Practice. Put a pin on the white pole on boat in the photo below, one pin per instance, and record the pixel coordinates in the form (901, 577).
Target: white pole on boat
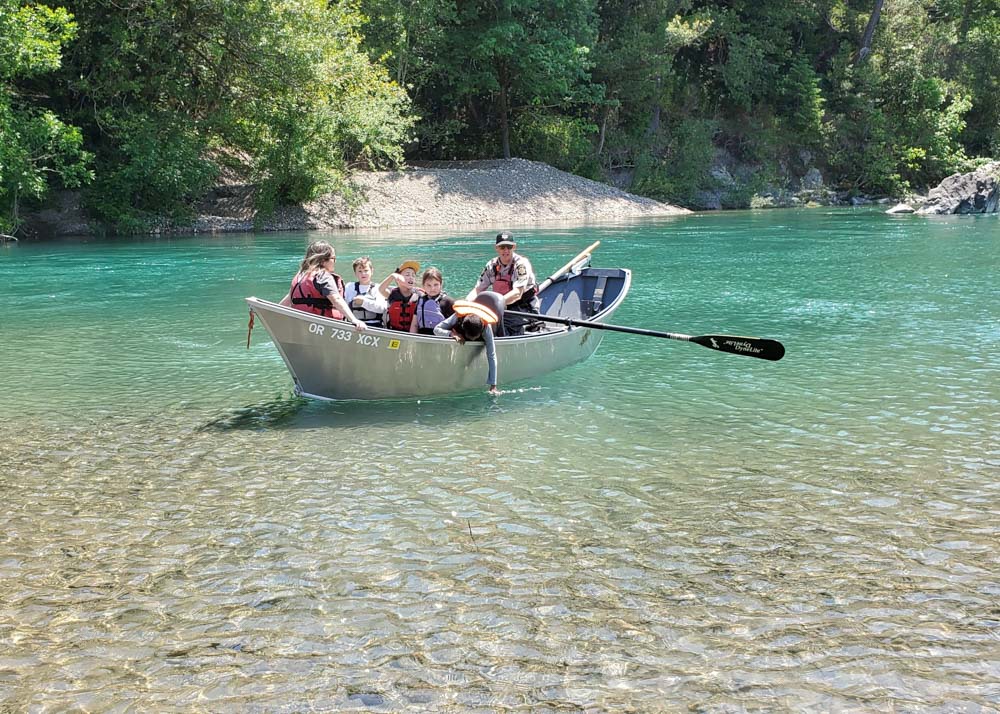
(583, 255)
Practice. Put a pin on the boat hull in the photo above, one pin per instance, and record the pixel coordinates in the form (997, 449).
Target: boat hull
(331, 359)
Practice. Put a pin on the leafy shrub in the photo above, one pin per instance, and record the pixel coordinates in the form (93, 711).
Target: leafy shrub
(341, 111)
(680, 167)
(982, 71)
(36, 150)
(563, 142)
(157, 168)
(283, 84)
(861, 153)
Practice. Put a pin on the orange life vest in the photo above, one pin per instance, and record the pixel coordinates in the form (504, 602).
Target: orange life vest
(399, 313)
(466, 307)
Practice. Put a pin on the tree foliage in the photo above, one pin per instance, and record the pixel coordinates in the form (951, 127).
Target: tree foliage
(282, 86)
(152, 98)
(37, 149)
(478, 68)
(883, 96)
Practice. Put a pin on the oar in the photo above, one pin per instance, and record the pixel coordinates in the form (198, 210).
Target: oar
(583, 254)
(747, 346)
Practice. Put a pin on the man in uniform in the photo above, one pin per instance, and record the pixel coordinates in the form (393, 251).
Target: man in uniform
(512, 276)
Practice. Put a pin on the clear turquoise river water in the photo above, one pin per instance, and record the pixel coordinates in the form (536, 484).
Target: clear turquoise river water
(658, 528)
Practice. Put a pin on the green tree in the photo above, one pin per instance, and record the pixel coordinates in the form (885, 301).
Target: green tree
(973, 63)
(168, 89)
(499, 62)
(407, 35)
(37, 149)
(897, 121)
(634, 62)
(881, 94)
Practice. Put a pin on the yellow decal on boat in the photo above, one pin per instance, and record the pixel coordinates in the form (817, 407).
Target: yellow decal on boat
(393, 344)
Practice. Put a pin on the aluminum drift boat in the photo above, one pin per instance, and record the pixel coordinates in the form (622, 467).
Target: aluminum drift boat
(330, 359)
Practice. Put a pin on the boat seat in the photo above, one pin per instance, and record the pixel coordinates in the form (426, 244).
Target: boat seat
(594, 305)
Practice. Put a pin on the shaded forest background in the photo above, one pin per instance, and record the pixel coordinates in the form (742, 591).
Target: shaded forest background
(146, 103)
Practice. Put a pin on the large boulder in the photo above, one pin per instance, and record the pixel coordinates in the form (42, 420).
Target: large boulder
(813, 180)
(976, 192)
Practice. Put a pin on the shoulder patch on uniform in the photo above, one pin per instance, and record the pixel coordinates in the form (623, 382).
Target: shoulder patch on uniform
(521, 270)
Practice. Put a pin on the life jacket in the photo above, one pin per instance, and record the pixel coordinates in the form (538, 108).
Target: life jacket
(466, 307)
(399, 313)
(367, 316)
(503, 283)
(430, 312)
(307, 296)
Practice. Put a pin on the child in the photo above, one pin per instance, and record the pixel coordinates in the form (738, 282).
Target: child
(476, 320)
(363, 296)
(433, 306)
(401, 301)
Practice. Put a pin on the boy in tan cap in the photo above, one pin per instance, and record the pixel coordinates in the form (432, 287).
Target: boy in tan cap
(401, 301)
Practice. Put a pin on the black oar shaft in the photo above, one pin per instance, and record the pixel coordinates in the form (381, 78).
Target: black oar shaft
(747, 346)
(598, 325)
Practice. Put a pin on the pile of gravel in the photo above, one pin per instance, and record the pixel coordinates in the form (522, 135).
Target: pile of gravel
(509, 192)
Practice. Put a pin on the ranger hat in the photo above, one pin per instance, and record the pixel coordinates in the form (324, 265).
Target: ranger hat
(505, 239)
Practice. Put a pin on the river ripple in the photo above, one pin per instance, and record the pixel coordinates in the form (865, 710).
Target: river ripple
(231, 566)
(660, 528)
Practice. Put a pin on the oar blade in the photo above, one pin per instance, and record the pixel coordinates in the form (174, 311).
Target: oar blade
(747, 346)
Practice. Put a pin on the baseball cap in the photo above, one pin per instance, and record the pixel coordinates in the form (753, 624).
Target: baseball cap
(408, 264)
(505, 239)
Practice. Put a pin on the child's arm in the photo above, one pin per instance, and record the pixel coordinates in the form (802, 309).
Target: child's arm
(383, 287)
(373, 301)
(445, 327)
(491, 359)
(341, 304)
